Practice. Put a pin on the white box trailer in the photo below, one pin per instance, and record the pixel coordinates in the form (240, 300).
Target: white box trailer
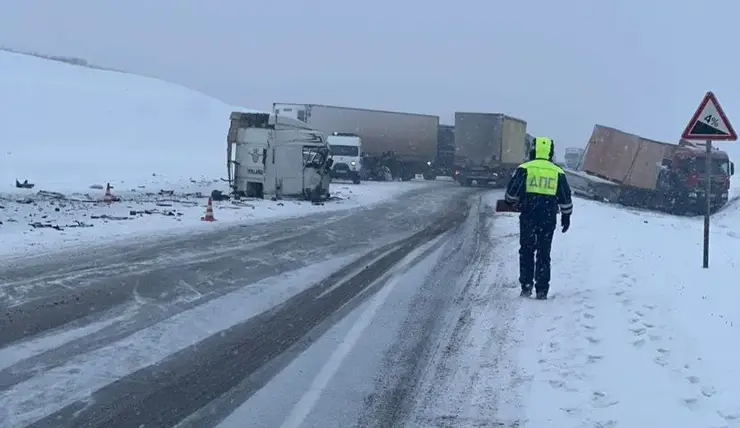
(411, 138)
(489, 147)
(272, 156)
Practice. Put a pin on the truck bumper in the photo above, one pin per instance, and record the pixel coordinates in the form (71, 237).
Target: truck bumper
(345, 174)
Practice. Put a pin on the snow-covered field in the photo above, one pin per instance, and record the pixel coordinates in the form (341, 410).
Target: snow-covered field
(66, 127)
(71, 130)
(636, 333)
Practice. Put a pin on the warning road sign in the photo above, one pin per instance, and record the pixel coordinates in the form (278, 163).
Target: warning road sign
(709, 122)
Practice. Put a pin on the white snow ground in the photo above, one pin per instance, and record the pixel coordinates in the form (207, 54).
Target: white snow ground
(70, 130)
(636, 333)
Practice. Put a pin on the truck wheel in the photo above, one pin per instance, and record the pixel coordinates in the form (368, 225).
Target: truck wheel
(356, 180)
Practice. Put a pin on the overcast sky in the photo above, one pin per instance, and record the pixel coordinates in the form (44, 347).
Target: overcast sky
(641, 65)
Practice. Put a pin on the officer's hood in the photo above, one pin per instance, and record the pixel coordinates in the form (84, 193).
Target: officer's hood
(544, 148)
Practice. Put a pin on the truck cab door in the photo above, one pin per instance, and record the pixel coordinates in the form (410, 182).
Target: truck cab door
(288, 169)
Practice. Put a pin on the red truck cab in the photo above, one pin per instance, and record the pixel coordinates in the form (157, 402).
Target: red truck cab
(683, 176)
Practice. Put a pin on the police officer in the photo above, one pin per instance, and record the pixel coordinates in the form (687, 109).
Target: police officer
(538, 188)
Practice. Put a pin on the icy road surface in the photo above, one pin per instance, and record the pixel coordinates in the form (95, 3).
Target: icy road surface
(156, 332)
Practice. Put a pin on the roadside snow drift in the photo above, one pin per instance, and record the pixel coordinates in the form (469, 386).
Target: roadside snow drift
(66, 127)
(636, 333)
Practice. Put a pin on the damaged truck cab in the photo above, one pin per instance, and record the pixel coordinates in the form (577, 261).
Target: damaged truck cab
(274, 156)
(683, 174)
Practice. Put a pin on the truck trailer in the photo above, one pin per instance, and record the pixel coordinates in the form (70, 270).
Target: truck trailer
(653, 174)
(403, 143)
(488, 147)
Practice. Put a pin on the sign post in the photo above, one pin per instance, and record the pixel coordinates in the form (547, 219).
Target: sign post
(709, 123)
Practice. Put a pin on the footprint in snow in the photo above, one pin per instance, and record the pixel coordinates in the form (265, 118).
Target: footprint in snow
(639, 331)
(588, 315)
(588, 326)
(691, 403)
(708, 391)
(634, 320)
(572, 411)
(693, 379)
(660, 360)
(619, 293)
(600, 400)
(593, 340)
(594, 358)
(557, 384)
(639, 343)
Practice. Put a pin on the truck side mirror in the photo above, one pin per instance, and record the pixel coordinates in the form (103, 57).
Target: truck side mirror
(732, 168)
(330, 162)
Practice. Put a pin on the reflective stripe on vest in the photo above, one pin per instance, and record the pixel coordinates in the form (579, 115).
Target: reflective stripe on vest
(542, 177)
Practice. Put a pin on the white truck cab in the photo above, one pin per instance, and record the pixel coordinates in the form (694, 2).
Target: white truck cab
(276, 156)
(346, 152)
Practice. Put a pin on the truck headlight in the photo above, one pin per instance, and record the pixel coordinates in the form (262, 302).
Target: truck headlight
(429, 163)
(353, 163)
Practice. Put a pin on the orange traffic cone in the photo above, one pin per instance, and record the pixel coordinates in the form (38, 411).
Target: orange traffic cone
(108, 197)
(209, 212)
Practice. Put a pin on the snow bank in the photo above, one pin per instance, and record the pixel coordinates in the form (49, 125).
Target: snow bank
(636, 333)
(66, 127)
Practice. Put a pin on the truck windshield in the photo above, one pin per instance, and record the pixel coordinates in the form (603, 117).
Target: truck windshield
(345, 150)
(719, 166)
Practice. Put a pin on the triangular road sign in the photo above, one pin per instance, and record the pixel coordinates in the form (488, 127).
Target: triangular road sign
(709, 122)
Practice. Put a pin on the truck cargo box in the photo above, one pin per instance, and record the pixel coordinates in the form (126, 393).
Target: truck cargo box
(412, 137)
(489, 139)
(646, 165)
(610, 152)
(625, 158)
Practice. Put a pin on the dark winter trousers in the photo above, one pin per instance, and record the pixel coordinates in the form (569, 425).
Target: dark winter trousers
(535, 238)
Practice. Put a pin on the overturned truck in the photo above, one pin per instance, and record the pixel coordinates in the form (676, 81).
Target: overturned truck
(627, 169)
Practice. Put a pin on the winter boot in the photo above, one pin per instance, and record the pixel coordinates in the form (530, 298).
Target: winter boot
(541, 295)
(526, 290)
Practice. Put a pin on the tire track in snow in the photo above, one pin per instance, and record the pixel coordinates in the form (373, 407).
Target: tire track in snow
(149, 308)
(165, 393)
(159, 293)
(458, 389)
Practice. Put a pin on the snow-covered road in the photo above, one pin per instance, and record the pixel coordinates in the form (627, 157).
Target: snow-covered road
(413, 320)
(143, 316)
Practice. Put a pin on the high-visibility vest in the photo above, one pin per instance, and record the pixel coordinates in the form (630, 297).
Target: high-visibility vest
(542, 177)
